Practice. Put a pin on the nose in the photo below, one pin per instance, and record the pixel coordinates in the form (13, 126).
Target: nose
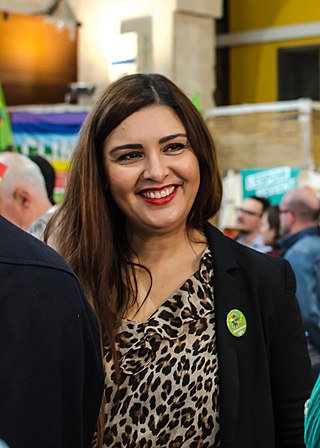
(156, 167)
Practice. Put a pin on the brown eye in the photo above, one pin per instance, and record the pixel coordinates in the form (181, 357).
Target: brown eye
(174, 147)
(130, 157)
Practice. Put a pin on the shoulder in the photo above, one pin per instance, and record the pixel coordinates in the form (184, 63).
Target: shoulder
(305, 249)
(37, 281)
(263, 276)
(230, 251)
(30, 268)
(255, 281)
(311, 242)
(21, 249)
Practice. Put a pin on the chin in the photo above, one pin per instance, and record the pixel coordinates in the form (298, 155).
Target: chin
(163, 227)
(166, 227)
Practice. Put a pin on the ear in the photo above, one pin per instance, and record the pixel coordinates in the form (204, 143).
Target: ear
(22, 198)
(291, 217)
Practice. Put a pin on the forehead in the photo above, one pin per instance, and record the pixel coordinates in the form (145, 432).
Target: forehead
(252, 205)
(155, 120)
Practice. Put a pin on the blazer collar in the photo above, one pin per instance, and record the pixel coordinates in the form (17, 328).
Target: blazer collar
(227, 297)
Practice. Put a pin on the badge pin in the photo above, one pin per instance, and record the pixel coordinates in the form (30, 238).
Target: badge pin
(236, 323)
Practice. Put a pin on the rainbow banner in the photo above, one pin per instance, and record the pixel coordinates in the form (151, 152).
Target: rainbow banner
(52, 132)
(47, 131)
(6, 138)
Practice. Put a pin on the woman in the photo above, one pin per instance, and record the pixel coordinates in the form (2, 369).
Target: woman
(270, 230)
(203, 341)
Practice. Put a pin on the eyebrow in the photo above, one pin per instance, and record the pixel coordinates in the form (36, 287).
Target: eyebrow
(171, 137)
(127, 146)
(139, 146)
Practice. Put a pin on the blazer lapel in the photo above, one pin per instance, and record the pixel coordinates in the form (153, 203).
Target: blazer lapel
(227, 297)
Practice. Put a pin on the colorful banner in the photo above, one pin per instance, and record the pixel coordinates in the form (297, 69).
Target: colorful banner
(53, 135)
(6, 138)
(61, 168)
(50, 131)
(271, 183)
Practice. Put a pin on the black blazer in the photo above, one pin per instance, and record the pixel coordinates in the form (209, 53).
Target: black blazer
(265, 375)
(51, 375)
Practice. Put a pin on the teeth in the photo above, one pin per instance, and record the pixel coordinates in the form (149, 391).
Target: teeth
(158, 194)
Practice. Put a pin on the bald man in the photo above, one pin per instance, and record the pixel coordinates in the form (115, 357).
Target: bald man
(23, 194)
(299, 228)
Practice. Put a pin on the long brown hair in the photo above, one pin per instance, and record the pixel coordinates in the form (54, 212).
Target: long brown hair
(89, 229)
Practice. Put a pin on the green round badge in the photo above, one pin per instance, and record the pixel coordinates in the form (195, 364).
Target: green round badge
(236, 323)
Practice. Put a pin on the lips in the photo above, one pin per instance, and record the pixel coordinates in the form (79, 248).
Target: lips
(159, 196)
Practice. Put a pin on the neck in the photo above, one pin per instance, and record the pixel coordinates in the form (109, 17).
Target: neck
(42, 207)
(298, 226)
(249, 237)
(39, 207)
(152, 249)
(170, 259)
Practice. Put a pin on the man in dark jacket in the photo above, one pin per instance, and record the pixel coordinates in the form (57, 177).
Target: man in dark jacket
(51, 377)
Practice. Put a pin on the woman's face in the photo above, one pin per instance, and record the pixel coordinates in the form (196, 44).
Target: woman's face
(153, 173)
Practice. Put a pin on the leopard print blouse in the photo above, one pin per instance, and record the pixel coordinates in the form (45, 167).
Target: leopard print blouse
(168, 393)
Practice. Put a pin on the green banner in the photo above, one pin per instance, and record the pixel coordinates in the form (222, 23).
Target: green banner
(6, 139)
(271, 183)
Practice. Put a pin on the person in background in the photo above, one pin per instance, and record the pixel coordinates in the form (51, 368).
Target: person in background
(249, 221)
(51, 375)
(300, 240)
(38, 226)
(312, 418)
(23, 194)
(48, 174)
(203, 340)
(270, 230)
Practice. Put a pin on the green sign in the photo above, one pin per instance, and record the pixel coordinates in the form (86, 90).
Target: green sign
(271, 183)
(6, 139)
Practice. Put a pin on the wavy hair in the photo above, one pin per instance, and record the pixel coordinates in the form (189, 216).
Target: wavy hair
(89, 229)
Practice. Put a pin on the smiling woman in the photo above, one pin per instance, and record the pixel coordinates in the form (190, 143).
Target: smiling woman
(153, 176)
(178, 302)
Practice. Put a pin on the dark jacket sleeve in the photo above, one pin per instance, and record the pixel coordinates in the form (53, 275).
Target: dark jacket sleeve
(290, 368)
(51, 377)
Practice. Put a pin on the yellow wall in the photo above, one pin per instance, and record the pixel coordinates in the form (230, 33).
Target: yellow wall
(250, 14)
(253, 71)
(253, 68)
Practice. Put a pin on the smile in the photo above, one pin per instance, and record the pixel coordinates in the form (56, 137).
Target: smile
(159, 197)
(158, 194)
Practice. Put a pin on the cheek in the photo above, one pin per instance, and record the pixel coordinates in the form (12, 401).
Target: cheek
(190, 170)
(116, 189)
(115, 177)
(113, 185)
(282, 221)
(121, 183)
(5, 208)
